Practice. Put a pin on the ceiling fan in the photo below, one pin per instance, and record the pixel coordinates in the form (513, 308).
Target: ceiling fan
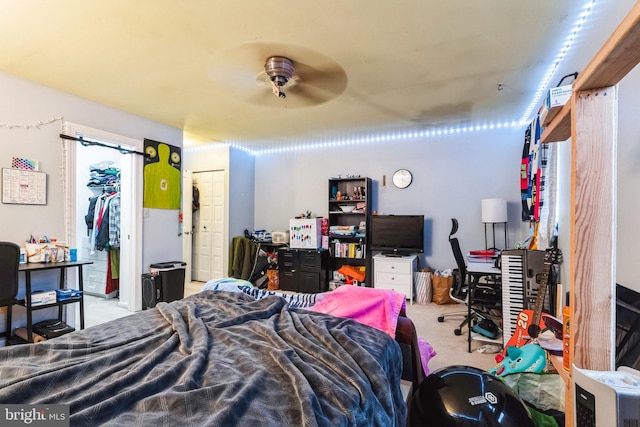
(296, 75)
(280, 70)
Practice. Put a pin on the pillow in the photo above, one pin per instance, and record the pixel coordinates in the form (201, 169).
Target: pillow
(226, 284)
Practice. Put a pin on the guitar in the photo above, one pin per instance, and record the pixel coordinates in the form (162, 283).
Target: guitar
(529, 323)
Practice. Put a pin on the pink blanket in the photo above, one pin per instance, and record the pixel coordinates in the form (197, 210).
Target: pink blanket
(378, 308)
(374, 307)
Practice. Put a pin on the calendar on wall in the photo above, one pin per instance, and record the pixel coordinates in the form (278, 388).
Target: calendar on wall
(24, 187)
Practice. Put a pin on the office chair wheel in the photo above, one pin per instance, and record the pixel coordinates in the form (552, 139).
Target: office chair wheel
(457, 331)
(440, 319)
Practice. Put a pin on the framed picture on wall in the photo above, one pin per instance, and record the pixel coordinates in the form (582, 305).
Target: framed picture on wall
(24, 187)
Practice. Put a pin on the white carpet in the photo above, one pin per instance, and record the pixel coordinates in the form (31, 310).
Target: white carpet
(450, 349)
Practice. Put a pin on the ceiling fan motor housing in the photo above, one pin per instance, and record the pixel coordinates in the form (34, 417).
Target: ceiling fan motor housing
(279, 69)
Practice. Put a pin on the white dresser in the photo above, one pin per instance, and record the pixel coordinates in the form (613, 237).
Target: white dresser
(395, 273)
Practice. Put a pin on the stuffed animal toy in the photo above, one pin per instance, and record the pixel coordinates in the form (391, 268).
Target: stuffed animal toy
(528, 358)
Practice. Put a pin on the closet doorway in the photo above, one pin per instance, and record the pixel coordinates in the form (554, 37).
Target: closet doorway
(85, 167)
(208, 227)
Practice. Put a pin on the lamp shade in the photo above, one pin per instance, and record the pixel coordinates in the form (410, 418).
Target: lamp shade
(494, 210)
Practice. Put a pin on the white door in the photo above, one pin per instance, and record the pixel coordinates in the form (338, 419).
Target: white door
(187, 221)
(209, 227)
(218, 268)
(203, 226)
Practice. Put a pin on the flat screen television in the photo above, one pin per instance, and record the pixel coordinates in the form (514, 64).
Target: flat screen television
(397, 234)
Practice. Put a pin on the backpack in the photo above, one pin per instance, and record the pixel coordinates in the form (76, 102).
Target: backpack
(195, 199)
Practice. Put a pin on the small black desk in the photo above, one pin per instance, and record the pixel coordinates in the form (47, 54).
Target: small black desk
(62, 266)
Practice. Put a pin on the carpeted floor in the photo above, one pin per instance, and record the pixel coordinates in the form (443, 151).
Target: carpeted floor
(450, 349)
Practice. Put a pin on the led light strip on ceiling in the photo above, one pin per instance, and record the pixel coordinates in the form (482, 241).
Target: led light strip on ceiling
(564, 49)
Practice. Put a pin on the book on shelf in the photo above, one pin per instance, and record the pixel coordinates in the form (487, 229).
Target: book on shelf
(483, 255)
(348, 250)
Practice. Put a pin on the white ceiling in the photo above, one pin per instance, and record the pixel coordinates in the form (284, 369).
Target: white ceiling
(364, 64)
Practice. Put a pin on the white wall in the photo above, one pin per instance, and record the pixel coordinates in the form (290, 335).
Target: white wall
(241, 192)
(451, 174)
(25, 103)
(628, 179)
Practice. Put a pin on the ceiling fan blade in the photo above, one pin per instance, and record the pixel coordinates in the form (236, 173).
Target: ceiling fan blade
(323, 76)
(265, 98)
(306, 94)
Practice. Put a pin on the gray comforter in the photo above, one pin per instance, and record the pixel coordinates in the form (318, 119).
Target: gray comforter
(214, 359)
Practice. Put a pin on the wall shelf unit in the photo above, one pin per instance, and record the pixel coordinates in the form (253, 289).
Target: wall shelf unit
(590, 119)
(350, 249)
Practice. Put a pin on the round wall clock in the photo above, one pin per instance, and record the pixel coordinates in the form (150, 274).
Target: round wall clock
(402, 178)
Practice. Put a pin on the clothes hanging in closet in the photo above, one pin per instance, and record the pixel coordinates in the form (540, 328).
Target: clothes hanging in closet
(113, 271)
(105, 230)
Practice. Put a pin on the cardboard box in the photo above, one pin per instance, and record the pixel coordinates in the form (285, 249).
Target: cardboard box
(280, 236)
(305, 233)
(556, 98)
(47, 252)
(43, 297)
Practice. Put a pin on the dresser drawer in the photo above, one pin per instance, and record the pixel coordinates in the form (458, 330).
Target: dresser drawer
(393, 266)
(400, 283)
(308, 282)
(287, 281)
(287, 260)
(391, 278)
(310, 261)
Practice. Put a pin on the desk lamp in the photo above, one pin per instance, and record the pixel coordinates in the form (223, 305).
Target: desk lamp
(494, 211)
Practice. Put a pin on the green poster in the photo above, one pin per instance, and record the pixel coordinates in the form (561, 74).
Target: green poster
(162, 178)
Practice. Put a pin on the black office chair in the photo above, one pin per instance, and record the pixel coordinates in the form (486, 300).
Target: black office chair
(9, 262)
(484, 298)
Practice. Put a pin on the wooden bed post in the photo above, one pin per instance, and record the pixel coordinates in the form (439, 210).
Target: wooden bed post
(593, 231)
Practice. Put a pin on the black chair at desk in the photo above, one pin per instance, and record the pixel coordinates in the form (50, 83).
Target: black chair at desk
(484, 298)
(9, 263)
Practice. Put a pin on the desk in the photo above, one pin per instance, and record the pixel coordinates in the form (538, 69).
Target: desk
(482, 269)
(62, 266)
(478, 270)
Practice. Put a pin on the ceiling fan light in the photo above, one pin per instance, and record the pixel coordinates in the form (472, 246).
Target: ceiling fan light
(279, 69)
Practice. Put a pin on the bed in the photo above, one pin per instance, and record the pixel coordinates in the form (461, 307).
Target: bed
(219, 358)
